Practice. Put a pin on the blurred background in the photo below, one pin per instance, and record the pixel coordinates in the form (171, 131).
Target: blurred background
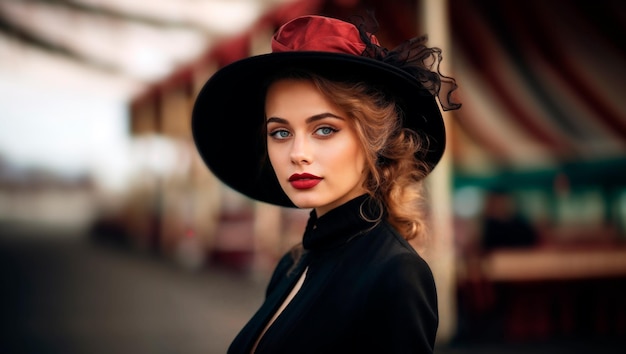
(114, 237)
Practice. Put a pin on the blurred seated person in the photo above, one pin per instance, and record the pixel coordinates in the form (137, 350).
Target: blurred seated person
(503, 226)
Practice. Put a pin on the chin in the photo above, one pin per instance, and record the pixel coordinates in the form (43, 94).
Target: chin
(304, 201)
(304, 204)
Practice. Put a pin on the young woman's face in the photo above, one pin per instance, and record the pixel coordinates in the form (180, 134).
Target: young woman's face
(312, 147)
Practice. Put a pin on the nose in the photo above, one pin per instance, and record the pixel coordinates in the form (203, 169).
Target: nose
(300, 151)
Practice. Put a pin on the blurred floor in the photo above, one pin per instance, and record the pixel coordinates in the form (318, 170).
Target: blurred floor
(64, 293)
(61, 292)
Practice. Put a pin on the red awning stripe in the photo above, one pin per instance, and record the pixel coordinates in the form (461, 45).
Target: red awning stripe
(477, 42)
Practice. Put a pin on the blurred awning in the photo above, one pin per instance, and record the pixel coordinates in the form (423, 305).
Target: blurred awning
(115, 47)
(542, 82)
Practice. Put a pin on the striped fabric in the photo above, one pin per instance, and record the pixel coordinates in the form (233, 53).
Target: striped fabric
(542, 81)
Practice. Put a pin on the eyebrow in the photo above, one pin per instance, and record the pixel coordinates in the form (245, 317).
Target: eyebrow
(308, 120)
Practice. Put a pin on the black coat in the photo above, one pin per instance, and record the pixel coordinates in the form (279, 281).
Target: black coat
(366, 291)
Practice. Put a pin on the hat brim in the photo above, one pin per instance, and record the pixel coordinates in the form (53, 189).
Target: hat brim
(228, 114)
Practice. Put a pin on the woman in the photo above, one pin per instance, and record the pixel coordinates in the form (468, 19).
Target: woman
(333, 122)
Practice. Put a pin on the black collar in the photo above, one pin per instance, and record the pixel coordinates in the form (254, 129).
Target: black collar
(341, 224)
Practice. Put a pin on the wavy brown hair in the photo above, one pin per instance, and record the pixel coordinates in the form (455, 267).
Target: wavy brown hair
(394, 174)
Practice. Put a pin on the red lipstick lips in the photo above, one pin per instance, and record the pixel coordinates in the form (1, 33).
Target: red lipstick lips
(304, 180)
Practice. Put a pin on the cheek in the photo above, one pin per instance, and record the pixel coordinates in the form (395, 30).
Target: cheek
(271, 155)
(276, 159)
(350, 158)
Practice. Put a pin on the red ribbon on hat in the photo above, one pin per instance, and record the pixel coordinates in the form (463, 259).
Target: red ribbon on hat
(318, 33)
(326, 34)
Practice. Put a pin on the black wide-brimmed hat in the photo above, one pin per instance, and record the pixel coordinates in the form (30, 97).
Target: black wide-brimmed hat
(229, 112)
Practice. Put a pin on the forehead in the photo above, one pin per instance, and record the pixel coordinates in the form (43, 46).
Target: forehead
(284, 86)
(292, 98)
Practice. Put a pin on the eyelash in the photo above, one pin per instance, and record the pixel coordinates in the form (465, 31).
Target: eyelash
(332, 130)
(275, 133)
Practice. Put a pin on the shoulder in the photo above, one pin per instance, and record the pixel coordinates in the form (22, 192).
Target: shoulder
(400, 268)
(288, 267)
(401, 303)
(407, 273)
(395, 249)
(281, 271)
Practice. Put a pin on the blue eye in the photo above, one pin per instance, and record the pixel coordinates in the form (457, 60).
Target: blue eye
(279, 134)
(325, 131)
